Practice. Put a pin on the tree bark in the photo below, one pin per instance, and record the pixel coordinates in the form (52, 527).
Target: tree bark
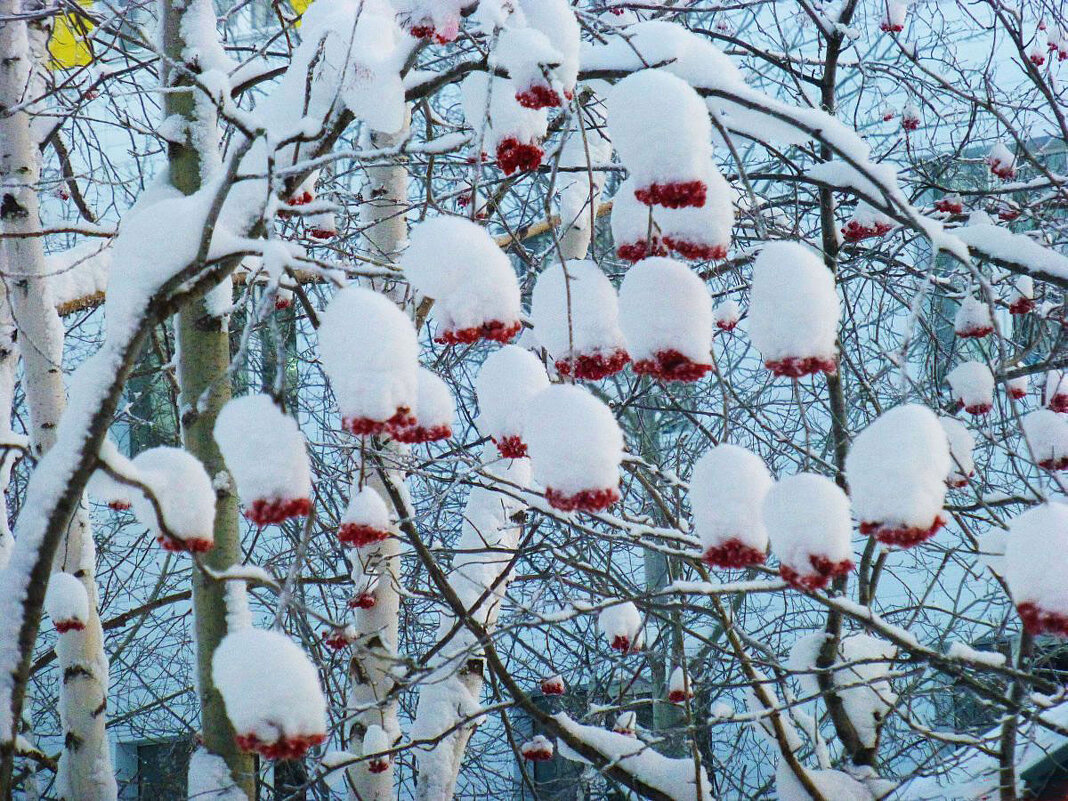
(371, 682)
(203, 357)
(85, 770)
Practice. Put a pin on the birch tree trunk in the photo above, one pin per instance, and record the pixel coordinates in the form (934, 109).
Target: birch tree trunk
(85, 772)
(374, 655)
(203, 357)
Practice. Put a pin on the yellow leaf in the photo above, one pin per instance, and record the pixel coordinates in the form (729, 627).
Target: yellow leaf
(300, 6)
(68, 45)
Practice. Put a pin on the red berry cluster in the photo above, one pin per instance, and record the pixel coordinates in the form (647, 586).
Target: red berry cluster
(359, 535)
(266, 511)
(901, 536)
(515, 156)
(1037, 620)
(696, 251)
(975, 331)
(365, 600)
(366, 426)
(553, 686)
(63, 626)
(193, 545)
(494, 331)
(733, 553)
(511, 447)
(593, 366)
(670, 365)
(823, 571)
(414, 435)
(800, 366)
(539, 95)
(591, 500)
(294, 747)
(674, 195)
(948, 205)
(636, 251)
(855, 231)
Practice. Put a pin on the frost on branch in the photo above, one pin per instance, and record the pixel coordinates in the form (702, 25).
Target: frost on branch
(508, 380)
(666, 314)
(973, 319)
(271, 692)
(727, 492)
(832, 784)
(67, 602)
(370, 354)
(1034, 568)
(1046, 439)
(186, 498)
(677, 779)
(433, 412)
(475, 290)
(972, 385)
(576, 448)
(367, 519)
(793, 311)
(266, 454)
(897, 470)
(512, 132)
(961, 445)
(1057, 390)
(575, 313)
(807, 517)
(660, 127)
(863, 683)
(621, 625)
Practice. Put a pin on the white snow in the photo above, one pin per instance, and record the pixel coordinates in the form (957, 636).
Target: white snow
(726, 315)
(727, 492)
(575, 312)
(264, 450)
(896, 469)
(556, 20)
(807, 515)
(270, 688)
(973, 318)
(506, 383)
(864, 687)
(961, 445)
(186, 498)
(832, 784)
(679, 685)
(434, 410)
(1001, 161)
(1046, 438)
(621, 625)
(678, 779)
(458, 264)
(1037, 545)
(1057, 390)
(576, 446)
(972, 385)
(66, 602)
(793, 308)
(661, 130)
(664, 307)
(370, 353)
(210, 780)
(503, 126)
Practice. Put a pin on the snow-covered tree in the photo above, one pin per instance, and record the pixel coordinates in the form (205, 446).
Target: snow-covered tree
(540, 398)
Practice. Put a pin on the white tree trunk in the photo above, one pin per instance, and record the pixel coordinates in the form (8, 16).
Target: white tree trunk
(85, 770)
(374, 657)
